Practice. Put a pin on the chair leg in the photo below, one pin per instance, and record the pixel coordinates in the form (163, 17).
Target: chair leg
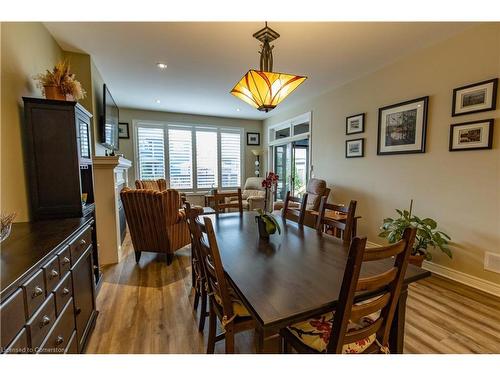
(229, 338)
(196, 298)
(203, 310)
(170, 258)
(212, 322)
(137, 256)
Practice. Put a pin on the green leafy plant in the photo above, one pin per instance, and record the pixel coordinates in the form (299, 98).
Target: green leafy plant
(427, 232)
(271, 224)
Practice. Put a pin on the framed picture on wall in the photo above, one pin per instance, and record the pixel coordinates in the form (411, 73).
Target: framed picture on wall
(123, 130)
(355, 124)
(473, 135)
(355, 148)
(402, 127)
(253, 139)
(478, 97)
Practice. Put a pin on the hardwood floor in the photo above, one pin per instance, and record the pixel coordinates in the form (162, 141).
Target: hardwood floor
(147, 308)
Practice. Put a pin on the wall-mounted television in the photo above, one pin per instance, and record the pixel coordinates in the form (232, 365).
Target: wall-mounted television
(109, 120)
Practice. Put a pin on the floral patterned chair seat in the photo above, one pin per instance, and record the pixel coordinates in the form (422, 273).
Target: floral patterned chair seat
(238, 308)
(315, 333)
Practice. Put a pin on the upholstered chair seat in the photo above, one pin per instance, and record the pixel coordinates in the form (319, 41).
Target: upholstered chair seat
(238, 308)
(315, 333)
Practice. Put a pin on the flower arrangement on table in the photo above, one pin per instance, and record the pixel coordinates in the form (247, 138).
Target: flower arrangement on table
(266, 222)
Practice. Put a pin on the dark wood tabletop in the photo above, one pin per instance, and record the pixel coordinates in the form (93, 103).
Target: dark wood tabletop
(292, 275)
(29, 245)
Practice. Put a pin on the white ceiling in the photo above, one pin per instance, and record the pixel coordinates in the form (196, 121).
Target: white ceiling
(206, 59)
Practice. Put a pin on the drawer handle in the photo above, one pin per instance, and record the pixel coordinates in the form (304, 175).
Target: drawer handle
(65, 291)
(59, 340)
(54, 274)
(45, 321)
(83, 242)
(37, 292)
(65, 260)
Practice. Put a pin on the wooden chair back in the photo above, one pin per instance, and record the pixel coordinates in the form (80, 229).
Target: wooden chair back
(212, 263)
(295, 214)
(220, 203)
(195, 234)
(343, 229)
(386, 286)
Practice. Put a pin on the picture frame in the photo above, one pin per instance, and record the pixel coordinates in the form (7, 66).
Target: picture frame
(253, 139)
(475, 98)
(355, 148)
(402, 127)
(472, 135)
(123, 130)
(355, 124)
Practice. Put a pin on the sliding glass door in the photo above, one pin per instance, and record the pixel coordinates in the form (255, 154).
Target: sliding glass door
(290, 151)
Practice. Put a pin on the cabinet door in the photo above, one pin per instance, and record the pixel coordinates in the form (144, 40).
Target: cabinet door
(83, 294)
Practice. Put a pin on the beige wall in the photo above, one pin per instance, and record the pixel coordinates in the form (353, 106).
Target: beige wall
(27, 49)
(461, 190)
(128, 115)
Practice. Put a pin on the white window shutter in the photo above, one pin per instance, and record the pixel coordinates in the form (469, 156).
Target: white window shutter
(151, 153)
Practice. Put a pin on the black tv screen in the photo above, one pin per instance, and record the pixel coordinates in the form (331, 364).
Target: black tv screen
(110, 118)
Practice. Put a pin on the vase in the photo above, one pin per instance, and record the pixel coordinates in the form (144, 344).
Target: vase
(416, 260)
(262, 228)
(54, 92)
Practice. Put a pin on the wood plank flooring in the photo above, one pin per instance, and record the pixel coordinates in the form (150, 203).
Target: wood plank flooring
(147, 308)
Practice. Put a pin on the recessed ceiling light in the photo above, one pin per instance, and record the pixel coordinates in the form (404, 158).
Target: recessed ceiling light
(237, 109)
(161, 65)
(157, 101)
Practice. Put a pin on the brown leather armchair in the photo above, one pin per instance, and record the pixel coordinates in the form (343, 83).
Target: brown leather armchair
(156, 221)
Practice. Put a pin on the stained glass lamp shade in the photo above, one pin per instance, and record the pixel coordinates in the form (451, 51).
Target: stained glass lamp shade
(265, 90)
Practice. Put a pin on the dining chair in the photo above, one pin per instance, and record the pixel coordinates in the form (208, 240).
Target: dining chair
(198, 278)
(224, 303)
(343, 229)
(221, 203)
(358, 325)
(294, 213)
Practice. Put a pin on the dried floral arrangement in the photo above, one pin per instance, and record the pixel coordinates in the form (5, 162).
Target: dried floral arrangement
(61, 77)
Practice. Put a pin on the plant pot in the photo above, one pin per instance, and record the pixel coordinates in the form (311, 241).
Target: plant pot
(416, 260)
(262, 228)
(54, 92)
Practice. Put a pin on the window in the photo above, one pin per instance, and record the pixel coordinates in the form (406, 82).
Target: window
(191, 157)
(206, 159)
(180, 152)
(151, 153)
(230, 159)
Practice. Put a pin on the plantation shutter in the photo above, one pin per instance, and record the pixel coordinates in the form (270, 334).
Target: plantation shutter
(180, 150)
(206, 159)
(151, 152)
(230, 144)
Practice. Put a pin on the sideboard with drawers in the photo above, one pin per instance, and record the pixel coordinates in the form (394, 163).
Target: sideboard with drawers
(47, 298)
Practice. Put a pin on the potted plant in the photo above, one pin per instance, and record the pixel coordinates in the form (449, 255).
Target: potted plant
(427, 234)
(60, 83)
(266, 222)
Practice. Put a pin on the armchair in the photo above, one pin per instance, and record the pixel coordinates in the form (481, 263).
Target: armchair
(156, 221)
(315, 190)
(253, 194)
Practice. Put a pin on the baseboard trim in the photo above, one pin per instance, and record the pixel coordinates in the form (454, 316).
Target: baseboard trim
(463, 278)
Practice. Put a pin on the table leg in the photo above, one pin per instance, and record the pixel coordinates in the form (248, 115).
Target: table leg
(397, 334)
(259, 340)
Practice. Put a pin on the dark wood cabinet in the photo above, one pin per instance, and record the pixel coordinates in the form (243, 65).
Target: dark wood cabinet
(59, 153)
(41, 312)
(59, 156)
(83, 296)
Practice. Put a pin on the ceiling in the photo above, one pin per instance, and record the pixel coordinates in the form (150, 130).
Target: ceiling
(206, 59)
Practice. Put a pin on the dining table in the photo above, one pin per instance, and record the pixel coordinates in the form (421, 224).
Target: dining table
(294, 275)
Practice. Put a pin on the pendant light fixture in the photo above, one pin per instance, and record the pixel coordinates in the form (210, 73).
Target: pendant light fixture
(265, 89)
